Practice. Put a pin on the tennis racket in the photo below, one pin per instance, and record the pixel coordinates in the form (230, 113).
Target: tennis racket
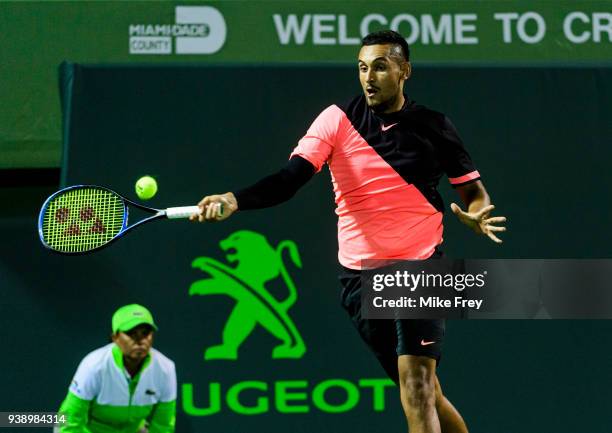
(84, 218)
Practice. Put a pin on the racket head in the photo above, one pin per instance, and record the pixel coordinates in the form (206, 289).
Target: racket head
(81, 218)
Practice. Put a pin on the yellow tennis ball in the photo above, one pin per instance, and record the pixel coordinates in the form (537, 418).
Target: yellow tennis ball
(146, 187)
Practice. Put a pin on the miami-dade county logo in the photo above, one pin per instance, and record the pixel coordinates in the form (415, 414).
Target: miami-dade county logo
(256, 263)
(197, 30)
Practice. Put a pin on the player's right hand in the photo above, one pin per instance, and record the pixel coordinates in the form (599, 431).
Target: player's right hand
(217, 207)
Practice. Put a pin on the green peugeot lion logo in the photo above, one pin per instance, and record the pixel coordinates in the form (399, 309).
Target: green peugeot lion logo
(256, 263)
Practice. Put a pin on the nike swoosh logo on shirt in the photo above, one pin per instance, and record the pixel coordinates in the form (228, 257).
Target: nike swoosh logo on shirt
(427, 343)
(385, 128)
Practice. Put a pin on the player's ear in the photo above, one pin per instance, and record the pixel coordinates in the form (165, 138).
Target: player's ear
(406, 70)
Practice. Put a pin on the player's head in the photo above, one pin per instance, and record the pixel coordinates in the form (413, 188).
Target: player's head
(384, 65)
(133, 329)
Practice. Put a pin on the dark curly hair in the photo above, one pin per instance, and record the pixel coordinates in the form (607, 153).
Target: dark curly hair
(388, 37)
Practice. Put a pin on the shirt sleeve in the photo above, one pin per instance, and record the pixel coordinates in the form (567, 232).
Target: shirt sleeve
(163, 418)
(76, 414)
(455, 160)
(85, 386)
(276, 188)
(86, 381)
(168, 393)
(317, 145)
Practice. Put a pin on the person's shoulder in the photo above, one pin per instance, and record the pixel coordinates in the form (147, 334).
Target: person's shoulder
(98, 356)
(334, 115)
(94, 362)
(162, 362)
(424, 112)
(425, 115)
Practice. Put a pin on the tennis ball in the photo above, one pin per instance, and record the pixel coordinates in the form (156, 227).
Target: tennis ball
(146, 187)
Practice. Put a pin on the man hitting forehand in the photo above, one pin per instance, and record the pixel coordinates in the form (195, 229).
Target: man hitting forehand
(386, 155)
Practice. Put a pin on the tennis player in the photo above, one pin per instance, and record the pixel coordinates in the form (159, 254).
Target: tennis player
(125, 386)
(386, 155)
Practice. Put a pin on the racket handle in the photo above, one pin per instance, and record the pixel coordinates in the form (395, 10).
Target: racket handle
(182, 212)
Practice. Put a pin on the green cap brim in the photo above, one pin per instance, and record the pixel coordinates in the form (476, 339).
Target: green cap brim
(131, 324)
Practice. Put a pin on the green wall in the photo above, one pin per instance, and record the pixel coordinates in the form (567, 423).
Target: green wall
(538, 136)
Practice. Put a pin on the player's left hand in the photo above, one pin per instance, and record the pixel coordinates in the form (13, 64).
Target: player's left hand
(481, 222)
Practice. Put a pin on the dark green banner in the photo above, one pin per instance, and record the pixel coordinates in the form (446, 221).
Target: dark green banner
(37, 35)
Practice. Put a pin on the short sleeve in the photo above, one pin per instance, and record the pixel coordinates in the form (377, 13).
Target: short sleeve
(455, 160)
(86, 381)
(317, 145)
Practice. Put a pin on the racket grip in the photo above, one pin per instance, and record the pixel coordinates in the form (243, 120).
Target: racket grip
(182, 212)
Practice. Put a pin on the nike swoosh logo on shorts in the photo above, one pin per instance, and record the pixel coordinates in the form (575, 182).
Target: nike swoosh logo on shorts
(385, 128)
(427, 343)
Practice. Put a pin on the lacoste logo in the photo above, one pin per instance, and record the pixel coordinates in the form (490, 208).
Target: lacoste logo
(427, 343)
(256, 263)
(386, 128)
(149, 392)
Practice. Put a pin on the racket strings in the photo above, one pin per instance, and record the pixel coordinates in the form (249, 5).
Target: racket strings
(82, 219)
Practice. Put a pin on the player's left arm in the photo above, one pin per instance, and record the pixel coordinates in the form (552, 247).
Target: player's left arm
(477, 215)
(163, 418)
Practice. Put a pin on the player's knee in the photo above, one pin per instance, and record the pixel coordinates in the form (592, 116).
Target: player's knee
(420, 388)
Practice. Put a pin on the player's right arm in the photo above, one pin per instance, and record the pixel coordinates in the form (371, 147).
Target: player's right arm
(85, 386)
(311, 153)
(76, 414)
(269, 191)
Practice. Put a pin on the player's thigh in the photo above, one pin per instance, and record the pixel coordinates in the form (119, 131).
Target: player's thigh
(379, 335)
(420, 337)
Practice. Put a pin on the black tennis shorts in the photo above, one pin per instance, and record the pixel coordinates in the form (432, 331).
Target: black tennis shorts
(390, 338)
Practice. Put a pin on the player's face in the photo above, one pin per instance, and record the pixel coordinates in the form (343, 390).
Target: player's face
(382, 74)
(135, 343)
